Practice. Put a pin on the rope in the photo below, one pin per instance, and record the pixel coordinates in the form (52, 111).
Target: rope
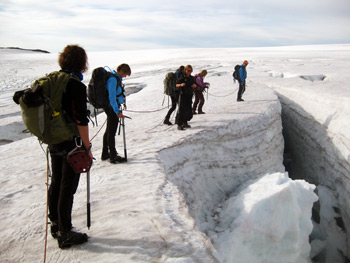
(159, 124)
(150, 130)
(221, 96)
(146, 111)
(98, 131)
(157, 110)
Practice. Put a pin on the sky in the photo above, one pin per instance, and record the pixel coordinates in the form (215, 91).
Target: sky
(106, 25)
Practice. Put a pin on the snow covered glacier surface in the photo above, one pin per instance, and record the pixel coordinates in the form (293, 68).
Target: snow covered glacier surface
(234, 184)
(205, 194)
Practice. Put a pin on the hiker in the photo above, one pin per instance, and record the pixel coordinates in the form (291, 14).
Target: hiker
(242, 80)
(174, 96)
(64, 181)
(172, 91)
(113, 111)
(186, 83)
(198, 92)
(179, 72)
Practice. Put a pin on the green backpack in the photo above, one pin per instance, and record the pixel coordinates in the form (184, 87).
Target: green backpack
(170, 84)
(42, 112)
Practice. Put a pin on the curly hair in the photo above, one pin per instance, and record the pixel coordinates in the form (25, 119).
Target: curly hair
(73, 57)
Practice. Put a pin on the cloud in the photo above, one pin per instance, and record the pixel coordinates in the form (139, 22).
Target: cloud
(105, 25)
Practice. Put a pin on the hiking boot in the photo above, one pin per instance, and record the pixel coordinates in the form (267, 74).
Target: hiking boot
(201, 112)
(166, 121)
(54, 229)
(240, 99)
(71, 238)
(104, 156)
(180, 127)
(186, 125)
(117, 159)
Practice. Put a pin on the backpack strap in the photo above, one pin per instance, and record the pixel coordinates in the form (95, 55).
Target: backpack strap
(119, 84)
(112, 75)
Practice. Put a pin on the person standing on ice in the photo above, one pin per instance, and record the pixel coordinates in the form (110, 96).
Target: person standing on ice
(179, 72)
(198, 92)
(242, 80)
(174, 97)
(64, 181)
(186, 83)
(116, 99)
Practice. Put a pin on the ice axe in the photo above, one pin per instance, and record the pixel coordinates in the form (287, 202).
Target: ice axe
(125, 152)
(88, 199)
(122, 123)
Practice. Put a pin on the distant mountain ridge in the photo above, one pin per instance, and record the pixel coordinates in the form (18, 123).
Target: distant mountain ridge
(33, 50)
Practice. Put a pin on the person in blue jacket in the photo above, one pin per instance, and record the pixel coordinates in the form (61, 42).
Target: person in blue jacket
(242, 80)
(116, 99)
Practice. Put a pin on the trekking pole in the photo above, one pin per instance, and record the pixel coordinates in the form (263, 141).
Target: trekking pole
(125, 153)
(48, 173)
(88, 199)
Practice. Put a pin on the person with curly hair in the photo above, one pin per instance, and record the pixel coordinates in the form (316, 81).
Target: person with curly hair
(64, 181)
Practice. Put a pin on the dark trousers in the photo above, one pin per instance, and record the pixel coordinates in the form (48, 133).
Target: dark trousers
(174, 100)
(241, 90)
(111, 130)
(184, 113)
(199, 98)
(64, 183)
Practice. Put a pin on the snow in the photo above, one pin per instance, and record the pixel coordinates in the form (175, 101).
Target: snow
(268, 220)
(217, 192)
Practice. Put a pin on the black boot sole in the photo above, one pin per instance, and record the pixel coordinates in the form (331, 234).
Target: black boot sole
(65, 245)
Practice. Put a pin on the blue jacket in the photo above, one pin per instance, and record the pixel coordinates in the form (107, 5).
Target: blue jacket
(242, 74)
(115, 93)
